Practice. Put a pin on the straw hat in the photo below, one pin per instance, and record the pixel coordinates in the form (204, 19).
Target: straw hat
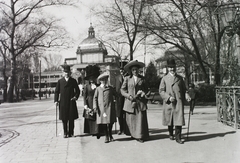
(103, 75)
(133, 63)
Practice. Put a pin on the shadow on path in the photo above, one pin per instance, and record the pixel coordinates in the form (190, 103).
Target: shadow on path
(206, 136)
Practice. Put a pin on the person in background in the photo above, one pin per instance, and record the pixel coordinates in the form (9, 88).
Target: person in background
(193, 95)
(66, 94)
(90, 125)
(103, 104)
(134, 90)
(120, 101)
(172, 89)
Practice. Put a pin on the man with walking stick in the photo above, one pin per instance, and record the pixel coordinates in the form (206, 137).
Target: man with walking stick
(66, 94)
(172, 90)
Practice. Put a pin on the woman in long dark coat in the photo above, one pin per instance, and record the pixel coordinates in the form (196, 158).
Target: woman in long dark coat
(90, 126)
(135, 106)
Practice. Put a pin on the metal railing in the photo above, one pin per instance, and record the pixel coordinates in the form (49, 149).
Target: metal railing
(228, 105)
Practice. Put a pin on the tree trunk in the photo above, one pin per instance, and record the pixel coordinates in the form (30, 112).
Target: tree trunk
(5, 78)
(12, 80)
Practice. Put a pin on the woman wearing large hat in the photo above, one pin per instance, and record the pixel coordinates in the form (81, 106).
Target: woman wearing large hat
(90, 125)
(135, 105)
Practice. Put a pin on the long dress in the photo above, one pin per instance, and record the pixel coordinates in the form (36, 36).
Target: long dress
(90, 126)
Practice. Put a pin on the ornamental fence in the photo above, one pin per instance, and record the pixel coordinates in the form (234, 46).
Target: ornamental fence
(228, 105)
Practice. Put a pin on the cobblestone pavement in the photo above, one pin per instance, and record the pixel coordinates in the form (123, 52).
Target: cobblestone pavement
(28, 135)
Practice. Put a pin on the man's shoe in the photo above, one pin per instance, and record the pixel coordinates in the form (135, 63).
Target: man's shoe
(98, 136)
(171, 137)
(70, 136)
(179, 141)
(107, 140)
(112, 139)
(65, 136)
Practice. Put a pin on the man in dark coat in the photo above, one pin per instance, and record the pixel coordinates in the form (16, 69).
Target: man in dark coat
(120, 101)
(68, 90)
(172, 89)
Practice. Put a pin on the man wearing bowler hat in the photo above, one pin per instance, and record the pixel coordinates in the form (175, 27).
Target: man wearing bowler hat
(66, 94)
(172, 89)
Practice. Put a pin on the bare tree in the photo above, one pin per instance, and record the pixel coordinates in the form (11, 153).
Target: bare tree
(53, 62)
(28, 27)
(121, 21)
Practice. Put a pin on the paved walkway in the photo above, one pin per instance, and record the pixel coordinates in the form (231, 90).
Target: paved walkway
(36, 140)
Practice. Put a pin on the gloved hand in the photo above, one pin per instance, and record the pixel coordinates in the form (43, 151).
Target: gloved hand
(56, 103)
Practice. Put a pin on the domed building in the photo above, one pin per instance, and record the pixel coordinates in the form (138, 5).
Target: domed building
(92, 51)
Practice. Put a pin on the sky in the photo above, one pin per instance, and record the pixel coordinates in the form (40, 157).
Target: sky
(77, 21)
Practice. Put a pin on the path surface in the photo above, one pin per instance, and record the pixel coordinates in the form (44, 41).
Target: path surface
(28, 135)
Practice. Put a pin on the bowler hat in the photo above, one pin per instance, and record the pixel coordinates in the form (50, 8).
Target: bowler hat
(171, 63)
(133, 63)
(103, 75)
(66, 68)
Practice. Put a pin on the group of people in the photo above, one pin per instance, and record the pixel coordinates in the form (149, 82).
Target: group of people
(127, 101)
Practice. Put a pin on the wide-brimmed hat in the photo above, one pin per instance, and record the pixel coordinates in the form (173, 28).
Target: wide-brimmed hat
(92, 71)
(191, 85)
(103, 75)
(133, 63)
(171, 63)
(66, 68)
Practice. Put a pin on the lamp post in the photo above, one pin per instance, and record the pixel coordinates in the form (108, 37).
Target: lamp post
(40, 81)
(231, 17)
(231, 21)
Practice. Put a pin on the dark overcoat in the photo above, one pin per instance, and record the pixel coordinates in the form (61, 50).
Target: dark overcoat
(173, 86)
(90, 126)
(64, 92)
(103, 102)
(120, 98)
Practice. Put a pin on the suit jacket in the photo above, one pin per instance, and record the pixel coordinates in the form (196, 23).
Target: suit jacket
(65, 90)
(129, 87)
(173, 86)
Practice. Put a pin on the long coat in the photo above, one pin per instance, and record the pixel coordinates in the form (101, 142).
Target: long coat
(90, 126)
(136, 115)
(65, 90)
(173, 112)
(129, 87)
(119, 98)
(103, 101)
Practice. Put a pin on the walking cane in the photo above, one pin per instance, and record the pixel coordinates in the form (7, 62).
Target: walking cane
(56, 118)
(188, 122)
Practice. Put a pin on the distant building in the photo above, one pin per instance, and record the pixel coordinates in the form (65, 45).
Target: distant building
(196, 74)
(91, 51)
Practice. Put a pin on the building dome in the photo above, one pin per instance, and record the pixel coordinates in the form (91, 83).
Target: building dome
(91, 42)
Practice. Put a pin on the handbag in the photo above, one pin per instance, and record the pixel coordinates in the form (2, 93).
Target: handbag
(89, 114)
